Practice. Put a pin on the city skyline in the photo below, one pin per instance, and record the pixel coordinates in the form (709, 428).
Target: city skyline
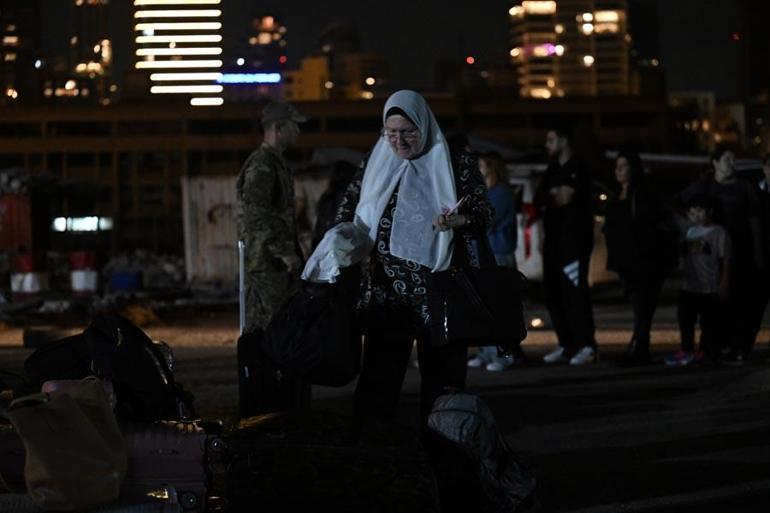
(418, 36)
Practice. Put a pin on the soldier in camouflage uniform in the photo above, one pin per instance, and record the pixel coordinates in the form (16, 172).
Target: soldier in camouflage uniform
(266, 222)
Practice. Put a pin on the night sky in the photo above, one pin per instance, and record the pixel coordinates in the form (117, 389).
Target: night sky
(693, 36)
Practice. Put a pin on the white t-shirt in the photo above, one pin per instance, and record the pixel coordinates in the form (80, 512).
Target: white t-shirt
(705, 247)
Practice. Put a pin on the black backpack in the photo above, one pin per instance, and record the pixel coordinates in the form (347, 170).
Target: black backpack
(114, 348)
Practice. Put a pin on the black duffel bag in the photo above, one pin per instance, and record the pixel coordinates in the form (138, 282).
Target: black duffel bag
(477, 307)
(316, 335)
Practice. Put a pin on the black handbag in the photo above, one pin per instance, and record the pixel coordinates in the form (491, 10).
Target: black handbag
(477, 307)
(316, 334)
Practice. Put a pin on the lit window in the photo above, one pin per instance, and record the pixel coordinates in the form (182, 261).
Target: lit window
(516, 52)
(606, 16)
(329, 84)
(11, 40)
(587, 28)
(10, 57)
(588, 61)
(606, 28)
(370, 81)
(559, 28)
(264, 38)
(540, 92)
(539, 7)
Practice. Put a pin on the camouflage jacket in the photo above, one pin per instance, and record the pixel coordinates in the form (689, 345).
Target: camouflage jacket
(265, 211)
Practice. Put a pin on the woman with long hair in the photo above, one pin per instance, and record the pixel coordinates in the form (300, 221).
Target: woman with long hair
(640, 248)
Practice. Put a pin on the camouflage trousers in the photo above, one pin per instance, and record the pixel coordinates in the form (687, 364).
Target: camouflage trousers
(265, 293)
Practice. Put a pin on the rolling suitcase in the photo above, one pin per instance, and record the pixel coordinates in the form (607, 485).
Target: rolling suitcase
(169, 459)
(262, 387)
(311, 461)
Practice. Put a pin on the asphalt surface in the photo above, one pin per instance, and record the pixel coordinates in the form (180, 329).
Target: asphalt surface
(602, 437)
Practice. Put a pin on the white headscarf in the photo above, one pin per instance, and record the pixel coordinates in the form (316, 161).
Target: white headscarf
(427, 188)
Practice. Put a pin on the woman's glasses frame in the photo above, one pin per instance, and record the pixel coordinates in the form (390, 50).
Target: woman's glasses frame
(409, 134)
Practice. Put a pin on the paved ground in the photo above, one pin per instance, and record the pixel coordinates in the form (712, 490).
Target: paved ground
(603, 438)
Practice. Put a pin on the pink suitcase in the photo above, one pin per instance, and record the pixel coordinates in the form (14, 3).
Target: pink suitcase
(167, 458)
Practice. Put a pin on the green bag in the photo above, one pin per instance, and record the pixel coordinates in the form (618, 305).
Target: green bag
(76, 456)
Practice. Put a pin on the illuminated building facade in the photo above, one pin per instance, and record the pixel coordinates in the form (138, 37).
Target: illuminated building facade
(179, 44)
(570, 47)
(19, 59)
(255, 60)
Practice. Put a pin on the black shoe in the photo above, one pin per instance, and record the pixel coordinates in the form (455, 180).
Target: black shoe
(636, 355)
(734, 358)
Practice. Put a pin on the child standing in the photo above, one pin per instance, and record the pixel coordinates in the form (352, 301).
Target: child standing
(706, 253)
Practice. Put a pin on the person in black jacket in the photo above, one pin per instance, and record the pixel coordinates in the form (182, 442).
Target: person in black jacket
(563, 199)
(639, 248)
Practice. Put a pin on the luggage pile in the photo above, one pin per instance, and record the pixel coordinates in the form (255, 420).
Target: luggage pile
(100, 425)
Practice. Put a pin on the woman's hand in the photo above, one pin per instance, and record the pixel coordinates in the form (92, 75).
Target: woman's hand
(444, 222)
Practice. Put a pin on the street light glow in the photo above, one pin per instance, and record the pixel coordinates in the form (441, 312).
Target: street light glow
(175, 89)
(181, 38)
(176, 2)
(168, 77)
(205, 25)
(178, 51)
(178, 64)
(206, 102)
(182, 13)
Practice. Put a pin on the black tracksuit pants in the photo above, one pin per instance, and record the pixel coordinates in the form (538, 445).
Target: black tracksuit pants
(568, 299)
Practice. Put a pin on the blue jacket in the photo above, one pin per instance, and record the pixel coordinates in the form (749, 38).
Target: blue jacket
(502, 232)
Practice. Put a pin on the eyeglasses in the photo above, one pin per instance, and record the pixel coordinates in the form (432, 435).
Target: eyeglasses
(409, 134)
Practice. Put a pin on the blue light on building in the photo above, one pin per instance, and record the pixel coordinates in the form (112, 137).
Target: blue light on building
(249, 78)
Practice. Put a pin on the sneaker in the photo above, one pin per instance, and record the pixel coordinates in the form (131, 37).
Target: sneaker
(699, 356)
(680, 358)
(586, 355)
(500, 364)
(555, 356)
(476, 362)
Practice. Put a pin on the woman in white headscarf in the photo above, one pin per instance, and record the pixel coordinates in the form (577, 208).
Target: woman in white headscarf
(406, 198)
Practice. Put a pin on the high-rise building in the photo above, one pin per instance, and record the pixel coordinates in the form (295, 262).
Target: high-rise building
(20, 61)
(570, 47)
(85, 73)
(179, 44)
(255, 55)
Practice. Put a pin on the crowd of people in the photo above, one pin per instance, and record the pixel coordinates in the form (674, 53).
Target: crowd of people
(423, 203)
